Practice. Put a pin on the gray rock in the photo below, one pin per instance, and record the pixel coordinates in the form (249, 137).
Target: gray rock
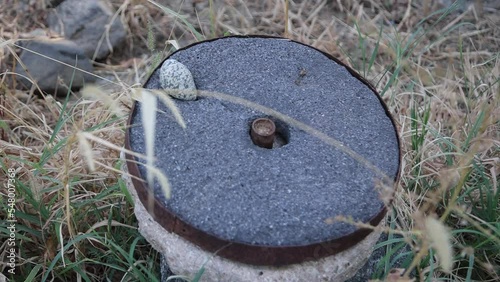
(46, 72)
(176, 76)
(85, 23)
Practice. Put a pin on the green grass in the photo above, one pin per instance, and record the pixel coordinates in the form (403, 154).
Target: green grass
(76, 229)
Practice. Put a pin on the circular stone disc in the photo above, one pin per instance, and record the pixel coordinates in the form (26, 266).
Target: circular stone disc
(225, 186)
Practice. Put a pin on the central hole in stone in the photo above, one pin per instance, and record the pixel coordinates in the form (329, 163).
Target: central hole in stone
(267, 133)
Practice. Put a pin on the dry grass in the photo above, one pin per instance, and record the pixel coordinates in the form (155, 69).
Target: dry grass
(437, 71)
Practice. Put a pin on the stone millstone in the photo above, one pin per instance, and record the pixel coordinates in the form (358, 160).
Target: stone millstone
(225, 186)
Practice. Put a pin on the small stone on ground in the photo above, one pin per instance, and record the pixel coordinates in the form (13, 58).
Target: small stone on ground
(47, 72)
(85, 23)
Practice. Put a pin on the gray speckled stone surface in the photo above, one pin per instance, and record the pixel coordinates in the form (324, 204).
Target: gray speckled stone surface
(228, 187)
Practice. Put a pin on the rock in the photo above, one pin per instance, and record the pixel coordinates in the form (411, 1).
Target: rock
(174, 75)
(46, 72)
(26, 4)
(84, 22)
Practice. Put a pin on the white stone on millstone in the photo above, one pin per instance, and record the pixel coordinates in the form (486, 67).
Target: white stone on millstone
(177, 80)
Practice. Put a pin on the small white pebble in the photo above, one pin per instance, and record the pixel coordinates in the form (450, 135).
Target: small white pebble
(176, 76)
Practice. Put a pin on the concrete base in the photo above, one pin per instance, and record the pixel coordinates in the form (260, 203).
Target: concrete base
(186, 259)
